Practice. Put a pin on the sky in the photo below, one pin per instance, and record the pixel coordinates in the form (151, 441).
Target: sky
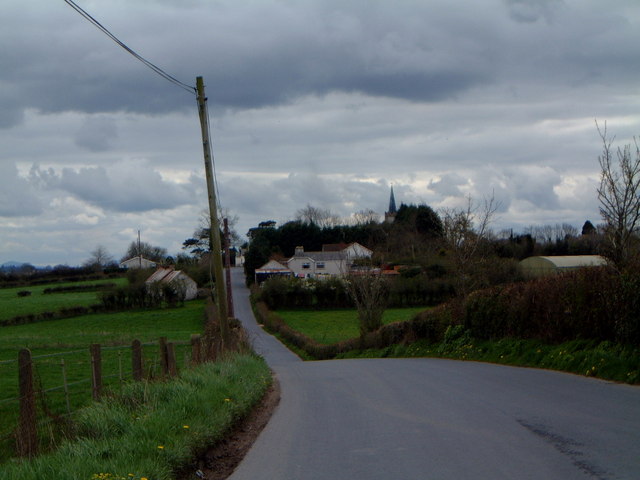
(322, 103)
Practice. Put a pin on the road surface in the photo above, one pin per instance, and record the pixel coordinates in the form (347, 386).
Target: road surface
(437, 419)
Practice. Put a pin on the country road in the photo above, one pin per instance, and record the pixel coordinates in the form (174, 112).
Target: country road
(437, 419)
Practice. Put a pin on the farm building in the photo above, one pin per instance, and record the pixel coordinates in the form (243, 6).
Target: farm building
(181, 283)
(540, 266)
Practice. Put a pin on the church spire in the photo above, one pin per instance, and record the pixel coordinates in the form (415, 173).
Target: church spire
(390, 215)
(392, 203)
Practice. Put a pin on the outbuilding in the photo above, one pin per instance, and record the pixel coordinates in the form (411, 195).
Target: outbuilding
(540, 266)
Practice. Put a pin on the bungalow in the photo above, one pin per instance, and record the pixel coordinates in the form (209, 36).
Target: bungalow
(180, 282)
(138, 262)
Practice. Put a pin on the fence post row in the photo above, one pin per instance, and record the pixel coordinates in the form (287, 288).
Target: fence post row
(26, 437)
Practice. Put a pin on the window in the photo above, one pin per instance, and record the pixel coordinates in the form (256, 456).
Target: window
(306, 265)
(320, 265)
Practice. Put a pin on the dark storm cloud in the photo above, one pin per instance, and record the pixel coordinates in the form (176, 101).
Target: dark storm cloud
(267, 53)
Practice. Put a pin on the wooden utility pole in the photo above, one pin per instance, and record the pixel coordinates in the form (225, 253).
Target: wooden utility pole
(227, 267)
(216, 246)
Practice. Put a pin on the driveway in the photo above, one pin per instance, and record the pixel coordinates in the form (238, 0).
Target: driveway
(437, 419)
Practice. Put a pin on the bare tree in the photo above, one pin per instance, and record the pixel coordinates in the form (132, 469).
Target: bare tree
(99, 259)
(369, 291)
(365, 217)
(465, 232)
(619, 197)
(318, 216)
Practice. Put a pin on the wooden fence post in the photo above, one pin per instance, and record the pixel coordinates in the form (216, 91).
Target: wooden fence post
(65, 385)
(136, 360)
(196, 349)
(172, 367)
(26, 437)
(96, 371)
(164, 365)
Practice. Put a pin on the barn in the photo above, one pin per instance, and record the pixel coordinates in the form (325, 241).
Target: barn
(181, 283)
(540, 266)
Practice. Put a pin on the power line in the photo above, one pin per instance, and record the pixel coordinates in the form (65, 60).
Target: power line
(146, 62)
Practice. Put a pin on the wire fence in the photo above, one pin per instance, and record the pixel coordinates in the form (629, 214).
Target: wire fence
(40, 393)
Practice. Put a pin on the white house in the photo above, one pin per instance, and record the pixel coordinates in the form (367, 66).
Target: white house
(318, 264)
(138, 262)
(181, 283)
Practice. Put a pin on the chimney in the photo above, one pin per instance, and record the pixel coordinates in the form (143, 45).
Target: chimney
(299, 251)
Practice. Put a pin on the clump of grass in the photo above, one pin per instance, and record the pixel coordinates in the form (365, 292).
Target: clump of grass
(152, 430)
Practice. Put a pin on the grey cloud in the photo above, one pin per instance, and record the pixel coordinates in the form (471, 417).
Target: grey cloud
(17, 197)
(97, 134)
(448, 185)
(529, 11)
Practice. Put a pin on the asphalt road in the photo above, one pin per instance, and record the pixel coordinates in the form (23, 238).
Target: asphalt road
(437, 419)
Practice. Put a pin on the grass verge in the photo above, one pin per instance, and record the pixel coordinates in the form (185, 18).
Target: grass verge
(603, 360)
(153, 430)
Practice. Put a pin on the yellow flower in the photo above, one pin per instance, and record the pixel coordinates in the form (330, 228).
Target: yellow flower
(227, 399)
(161, 447)
(185, 426)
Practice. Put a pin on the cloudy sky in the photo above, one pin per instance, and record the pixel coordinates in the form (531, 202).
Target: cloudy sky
(322, 103)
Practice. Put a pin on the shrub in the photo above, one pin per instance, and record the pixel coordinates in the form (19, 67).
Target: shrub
(24, 293)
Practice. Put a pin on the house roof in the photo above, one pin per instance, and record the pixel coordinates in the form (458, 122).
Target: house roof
(319, 256)
(136, 260)
(334, 247)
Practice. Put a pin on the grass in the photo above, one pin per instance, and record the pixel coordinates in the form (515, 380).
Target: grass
(69, 340)
(153, 430)
(333, 326)
(11, 305)
(604, 360)
(584, 357)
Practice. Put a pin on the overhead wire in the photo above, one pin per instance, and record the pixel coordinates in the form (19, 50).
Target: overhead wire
(146, 62)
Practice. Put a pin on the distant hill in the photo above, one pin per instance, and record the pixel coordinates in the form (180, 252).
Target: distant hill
(11, 266)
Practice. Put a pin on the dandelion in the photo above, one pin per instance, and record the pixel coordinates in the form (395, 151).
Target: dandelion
(227, 399)
(185, 426)
(161, 447)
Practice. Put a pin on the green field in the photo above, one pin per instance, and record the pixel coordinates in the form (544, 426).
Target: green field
(69, 339)
(332, 326)
(12, 305)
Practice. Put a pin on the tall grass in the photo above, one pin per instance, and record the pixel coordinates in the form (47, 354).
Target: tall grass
(153, 430)
(69, 340)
